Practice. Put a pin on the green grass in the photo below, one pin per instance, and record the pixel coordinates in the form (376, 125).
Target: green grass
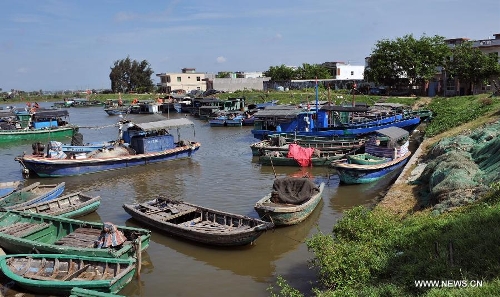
(451, 112)
(374, 253)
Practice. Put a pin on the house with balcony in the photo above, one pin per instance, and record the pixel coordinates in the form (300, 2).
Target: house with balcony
(186, 81)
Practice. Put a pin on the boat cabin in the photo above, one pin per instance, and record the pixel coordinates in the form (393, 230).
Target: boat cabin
(390, 142)
(153, 136)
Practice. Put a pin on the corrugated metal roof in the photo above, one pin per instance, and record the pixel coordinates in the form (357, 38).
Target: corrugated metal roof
(165, 124)
(394, 132)
(282, 111)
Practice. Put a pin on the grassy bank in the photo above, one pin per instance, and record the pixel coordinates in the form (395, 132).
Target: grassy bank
(384, 251)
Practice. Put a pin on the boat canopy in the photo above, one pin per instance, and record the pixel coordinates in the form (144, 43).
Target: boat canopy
(340, 108)
(279, 112)
(393, 132)
(44, 114)
(165, 124)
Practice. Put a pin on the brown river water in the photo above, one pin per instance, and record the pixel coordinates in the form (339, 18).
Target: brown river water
(221, 175)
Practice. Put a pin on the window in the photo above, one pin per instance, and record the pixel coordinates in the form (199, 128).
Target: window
(352, 72)
(178, 79)
(198, 78)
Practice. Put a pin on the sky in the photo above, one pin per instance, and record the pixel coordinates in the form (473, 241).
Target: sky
(72, 45)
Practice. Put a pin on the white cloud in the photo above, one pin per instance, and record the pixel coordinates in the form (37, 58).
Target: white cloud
(221, 59)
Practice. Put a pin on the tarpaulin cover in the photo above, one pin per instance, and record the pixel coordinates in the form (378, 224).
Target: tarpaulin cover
(301, 154)
(293, 190)
(110, 236)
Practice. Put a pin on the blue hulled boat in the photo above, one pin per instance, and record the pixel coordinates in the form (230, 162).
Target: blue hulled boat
(390, 144)
(140, 144)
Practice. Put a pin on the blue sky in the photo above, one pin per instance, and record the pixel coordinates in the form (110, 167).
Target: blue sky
(68, 44)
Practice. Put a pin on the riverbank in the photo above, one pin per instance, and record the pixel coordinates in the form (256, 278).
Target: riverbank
(390, 249)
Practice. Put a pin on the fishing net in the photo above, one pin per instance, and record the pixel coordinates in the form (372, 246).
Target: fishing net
(460, 169)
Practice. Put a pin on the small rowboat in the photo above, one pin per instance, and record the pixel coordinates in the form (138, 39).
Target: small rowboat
(8, 187)
(292, 200)
(31, 194)
(69, 206)
(197, 223)
(366, 159)
(22, 233)
(59, 274)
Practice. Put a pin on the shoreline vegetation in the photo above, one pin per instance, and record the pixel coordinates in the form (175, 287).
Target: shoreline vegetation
(419, 239)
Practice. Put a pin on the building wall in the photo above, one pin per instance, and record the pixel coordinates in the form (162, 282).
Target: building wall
(185, 81)
(346, 71)
(235, 84)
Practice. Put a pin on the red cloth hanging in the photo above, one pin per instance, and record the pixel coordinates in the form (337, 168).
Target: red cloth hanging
(302, 155)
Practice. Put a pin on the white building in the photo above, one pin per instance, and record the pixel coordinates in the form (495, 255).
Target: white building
(343, 71)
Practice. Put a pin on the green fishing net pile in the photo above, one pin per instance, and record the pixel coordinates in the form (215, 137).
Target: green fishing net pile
(460, 169)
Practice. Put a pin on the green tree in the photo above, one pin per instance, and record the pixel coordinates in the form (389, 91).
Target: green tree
(406, 61)
(127, 75)
(223, 74)
(470, 66)
(312, 71)
(280, 73)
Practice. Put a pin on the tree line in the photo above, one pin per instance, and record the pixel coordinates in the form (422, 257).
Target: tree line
(404, 62)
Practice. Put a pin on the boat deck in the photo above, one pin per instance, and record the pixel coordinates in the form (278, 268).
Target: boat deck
(81, 237)
(23, 229)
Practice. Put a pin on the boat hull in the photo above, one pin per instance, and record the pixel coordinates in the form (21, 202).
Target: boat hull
(361, 174)
(36, 134)
(68, 206)
(44, 167)
(52, 235)
(285, 215)
(224, 229)
(32, 194)
(37, 273)
(285, 161)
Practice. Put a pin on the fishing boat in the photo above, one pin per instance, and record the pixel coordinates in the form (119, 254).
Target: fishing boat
(79, 292)
(277, 143)
(8, 187)
(198, 223)
(31, 194)
(23, 232)
(140, 144)
(301, 156)
(36, 124)
(72, 205)
(291, 201)
(54, 274)
(385, 152)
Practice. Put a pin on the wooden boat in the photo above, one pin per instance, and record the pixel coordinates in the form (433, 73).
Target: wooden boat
(390, 144)
(72, 205)
(300, 156)
(146, 143)
(275, 144)
(366, 159)
(79, 292)
(37, 124)
(7, 188)
(117, 110)
(31, 194)
(197, 223)
(292, 200)
(54, 274)
(22, 232)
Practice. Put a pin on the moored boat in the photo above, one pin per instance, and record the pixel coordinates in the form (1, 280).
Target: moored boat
(292, 200)
(31, 194)
(72, 205)
(22, 232)
(301, 156)
(388, 150)
(37, 124)
(57, 274)
(141, 144)
(198, 223)
(8, 187)
(79, 292)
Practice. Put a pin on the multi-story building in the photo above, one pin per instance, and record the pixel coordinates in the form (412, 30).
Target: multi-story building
(451, 87)
(186, 81)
